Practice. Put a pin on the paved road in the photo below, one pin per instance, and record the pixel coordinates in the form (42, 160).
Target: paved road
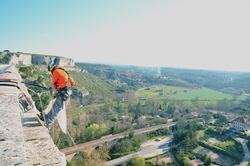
(246, 158)
(148, 149)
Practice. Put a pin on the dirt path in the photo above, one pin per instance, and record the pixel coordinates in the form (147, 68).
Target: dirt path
(218, 158)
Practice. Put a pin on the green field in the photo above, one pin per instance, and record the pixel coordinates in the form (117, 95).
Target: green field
(167, 91)
(203, 94)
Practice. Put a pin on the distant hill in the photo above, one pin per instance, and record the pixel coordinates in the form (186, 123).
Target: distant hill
(137, 77)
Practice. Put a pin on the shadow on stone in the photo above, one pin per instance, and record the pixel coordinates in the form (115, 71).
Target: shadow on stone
(30, 122)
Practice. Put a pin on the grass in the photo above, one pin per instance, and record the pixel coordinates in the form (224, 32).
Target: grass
(201, 133)
(167, 91)
(203, 94)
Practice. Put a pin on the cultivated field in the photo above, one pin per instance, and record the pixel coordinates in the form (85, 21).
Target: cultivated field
(181, 93)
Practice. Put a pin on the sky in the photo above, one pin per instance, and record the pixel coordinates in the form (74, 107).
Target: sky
(193, 34)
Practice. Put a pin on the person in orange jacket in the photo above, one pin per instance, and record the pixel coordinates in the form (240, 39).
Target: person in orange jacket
(62, 82)
(60, 78)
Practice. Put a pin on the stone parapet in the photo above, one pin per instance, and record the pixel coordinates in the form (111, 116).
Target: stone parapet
(23, 141)
(12, 149)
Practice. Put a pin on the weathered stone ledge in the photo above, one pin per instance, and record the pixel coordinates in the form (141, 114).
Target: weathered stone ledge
(23, 141)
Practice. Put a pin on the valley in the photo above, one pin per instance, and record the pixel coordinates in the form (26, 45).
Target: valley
(112, 99)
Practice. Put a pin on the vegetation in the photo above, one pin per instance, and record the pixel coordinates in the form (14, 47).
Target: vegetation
(98, 90)
(5, 58)
(138, 77)
(114, 99)
(138, 161)
(132, 143)
(185, 141)
(188, 138)
(37, 75)
(98, 157)
(227, 145)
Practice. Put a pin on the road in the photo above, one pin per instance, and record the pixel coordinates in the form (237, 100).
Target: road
(245, 160)
(97, 142)
(148, 149)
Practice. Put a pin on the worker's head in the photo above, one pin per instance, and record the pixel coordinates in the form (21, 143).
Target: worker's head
(51, 68)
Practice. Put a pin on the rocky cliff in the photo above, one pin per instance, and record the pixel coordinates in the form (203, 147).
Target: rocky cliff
(25, 59)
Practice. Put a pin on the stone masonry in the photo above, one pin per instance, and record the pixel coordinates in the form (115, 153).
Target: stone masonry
(23, 140)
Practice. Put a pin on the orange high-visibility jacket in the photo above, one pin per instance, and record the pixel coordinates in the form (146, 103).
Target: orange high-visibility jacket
(60, 78)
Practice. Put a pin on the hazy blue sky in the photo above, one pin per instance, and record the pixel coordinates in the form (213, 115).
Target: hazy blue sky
(199, 34)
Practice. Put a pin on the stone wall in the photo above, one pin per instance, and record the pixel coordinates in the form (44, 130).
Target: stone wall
(23, 140)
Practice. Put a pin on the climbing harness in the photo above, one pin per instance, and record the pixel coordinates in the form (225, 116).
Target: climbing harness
(64, 91)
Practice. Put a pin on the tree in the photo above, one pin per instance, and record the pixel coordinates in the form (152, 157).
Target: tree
(88, 160)
(100, 153)
(94, 131)
(179, 136)
(195, 100)
(187, 144)
(206, 118)
(171, 108)
(193, 126)
(208, 161)
(153, 104)
(138, 161)
(223, 105)
(131, 96)
(182, 122)
(241, 91)
(82, 159)
(221, 119)
(123, 146)
(108, 104)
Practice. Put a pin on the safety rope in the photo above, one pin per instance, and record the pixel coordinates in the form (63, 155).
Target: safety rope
(40, 101)
(70, 133)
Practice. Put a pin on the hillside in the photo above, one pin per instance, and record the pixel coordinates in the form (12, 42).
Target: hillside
(138, 77)
(86, 89)
(133, 76)
(90, 86)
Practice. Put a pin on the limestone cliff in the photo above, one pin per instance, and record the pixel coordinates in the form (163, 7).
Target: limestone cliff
(35, 59)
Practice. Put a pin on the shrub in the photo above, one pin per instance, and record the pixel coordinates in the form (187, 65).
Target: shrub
(138, 161)
(6, 59)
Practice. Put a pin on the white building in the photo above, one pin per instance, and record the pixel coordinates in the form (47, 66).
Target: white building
(241, 124)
